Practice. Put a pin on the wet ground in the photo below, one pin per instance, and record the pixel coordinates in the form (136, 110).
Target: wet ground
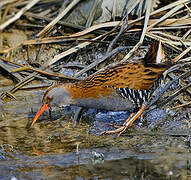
(156, 148)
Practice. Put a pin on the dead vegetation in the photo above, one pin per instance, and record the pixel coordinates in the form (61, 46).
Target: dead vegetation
(51, 40)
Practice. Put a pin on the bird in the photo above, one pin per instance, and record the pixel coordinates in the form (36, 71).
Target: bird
(119, 87)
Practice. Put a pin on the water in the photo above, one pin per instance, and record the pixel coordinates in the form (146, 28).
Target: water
(54, 149)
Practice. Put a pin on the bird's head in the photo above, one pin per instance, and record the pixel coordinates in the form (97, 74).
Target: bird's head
(57, 95)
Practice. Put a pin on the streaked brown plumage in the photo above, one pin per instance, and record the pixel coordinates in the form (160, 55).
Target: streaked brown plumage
(118, 87)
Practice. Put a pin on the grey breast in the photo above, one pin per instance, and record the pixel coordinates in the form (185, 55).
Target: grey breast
(123, 99)
(114, 103)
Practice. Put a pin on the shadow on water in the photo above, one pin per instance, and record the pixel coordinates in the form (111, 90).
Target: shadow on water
(57, 150)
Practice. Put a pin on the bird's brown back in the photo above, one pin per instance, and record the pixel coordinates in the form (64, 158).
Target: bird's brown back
(138, 75)
(127, 75)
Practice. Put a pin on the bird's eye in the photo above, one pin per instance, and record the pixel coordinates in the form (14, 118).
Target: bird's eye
(49, 98)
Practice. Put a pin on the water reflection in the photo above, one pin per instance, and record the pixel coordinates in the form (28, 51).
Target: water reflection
(48, 150)
(117, 164)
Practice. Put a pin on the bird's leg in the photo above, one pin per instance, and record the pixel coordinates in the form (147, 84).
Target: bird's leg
(127, 123)
(77, 116)
(50, 113)
(118, 130)
(115, 126)
(132, 114)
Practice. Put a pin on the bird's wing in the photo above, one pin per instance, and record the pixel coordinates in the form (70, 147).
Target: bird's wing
(136, 75)
(128, 75)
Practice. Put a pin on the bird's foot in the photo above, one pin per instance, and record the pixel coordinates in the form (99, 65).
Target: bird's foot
(126, 124)
(119, 129)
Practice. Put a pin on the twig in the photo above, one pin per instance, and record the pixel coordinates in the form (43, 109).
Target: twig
(70, 51)
(63, 38)
(5, 13)
(2, 3)
(177, 66)
(188, 8)
(19, 85)
(115, 51)
(174, 134)
(166, 41)
(182, 105)
(171, 27)
(36, 86)
(131, 52)
(37, 70)
(37, 16)
(19, 14)
(91, 14)
(16, 76)
(11, 95)
(123, 24)
(188, 59)
(93, 41)
(176, 8)
(181, 55)
(173, 95)
(156, 98)
(161, 92)
(142, 35)
(60, 16)
(122, 30)
(186, 34)
(149, 3)
(166, 35)
(113, 10)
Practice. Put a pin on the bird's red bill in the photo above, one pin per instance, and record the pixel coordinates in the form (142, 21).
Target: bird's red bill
(42, 109)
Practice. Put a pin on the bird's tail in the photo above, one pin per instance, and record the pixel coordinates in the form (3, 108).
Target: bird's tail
(156, 54)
